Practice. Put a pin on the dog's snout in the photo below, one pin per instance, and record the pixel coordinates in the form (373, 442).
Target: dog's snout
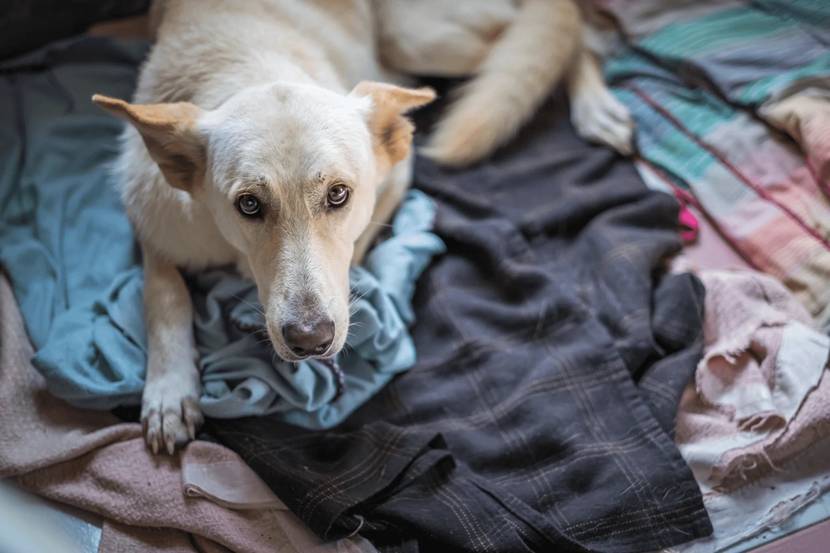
(309, 337)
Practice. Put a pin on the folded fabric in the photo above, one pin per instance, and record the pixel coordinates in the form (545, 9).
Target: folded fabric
(90, 460)
(805, 116)
(552, 352)
(69, 250)
(754, 423)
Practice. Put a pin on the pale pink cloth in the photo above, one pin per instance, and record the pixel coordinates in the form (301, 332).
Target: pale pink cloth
(753, 423)
(710, 250)
(92, 461)
(228, 483)
(750, 403)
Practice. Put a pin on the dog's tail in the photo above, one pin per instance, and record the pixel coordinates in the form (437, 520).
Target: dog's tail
(518, 73)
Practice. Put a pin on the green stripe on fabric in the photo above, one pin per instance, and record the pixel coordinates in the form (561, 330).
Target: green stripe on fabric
(767, 87)
(663, 144)
(716, 31)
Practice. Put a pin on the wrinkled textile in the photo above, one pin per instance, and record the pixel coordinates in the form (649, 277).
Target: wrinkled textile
(27, 24)
(89, 460)
(69, 250)
(238, 368)
(66, 454)
(551, 358)
(705, 83)
(753, 424)
(750, 51)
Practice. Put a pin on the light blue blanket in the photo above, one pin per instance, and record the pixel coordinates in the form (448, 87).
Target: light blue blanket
(69, 251)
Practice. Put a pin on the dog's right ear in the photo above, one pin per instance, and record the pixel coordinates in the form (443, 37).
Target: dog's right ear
(392, 132)
(170, 134)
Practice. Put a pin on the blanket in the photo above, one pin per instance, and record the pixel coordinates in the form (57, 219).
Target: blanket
(552, 352)
(71, 256)
(711, 85)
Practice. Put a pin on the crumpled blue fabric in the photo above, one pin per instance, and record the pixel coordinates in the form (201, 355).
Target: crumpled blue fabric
(95, 357)
(240, 373)
(70, 254)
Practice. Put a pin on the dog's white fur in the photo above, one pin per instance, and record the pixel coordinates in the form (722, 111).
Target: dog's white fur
(517, 50)
(280, 99)
(268, 98)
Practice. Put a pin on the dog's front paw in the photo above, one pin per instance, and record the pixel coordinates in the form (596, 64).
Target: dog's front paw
(170, 411)
(600, 117)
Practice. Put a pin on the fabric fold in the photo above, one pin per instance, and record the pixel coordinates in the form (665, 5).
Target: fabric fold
(753, 424)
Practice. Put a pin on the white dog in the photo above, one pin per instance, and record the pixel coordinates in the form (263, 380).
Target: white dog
(518, 50)
(263, 135)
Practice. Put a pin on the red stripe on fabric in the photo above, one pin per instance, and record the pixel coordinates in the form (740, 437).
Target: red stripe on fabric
(726, 163)
(689, 226)
(685, 195)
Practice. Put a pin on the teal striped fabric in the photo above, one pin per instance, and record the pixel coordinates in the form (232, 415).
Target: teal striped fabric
(699, 79)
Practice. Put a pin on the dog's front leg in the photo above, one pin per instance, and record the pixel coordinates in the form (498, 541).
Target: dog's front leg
(169, 409)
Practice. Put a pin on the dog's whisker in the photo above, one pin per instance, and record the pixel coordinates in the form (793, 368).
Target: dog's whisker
(356, 298)
(255, 306)
(361, 294)
(378, 224)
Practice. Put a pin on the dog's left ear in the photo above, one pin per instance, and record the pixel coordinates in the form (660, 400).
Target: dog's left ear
(169, 132)
(391, 131)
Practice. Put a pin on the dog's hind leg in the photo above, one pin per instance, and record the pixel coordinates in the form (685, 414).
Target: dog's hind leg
(170, 410)
(595, 113)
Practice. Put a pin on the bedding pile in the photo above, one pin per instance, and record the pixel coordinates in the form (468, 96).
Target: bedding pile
(754, 422)
(732, 105)
(552, 344)
(571, 391)
(207, 499)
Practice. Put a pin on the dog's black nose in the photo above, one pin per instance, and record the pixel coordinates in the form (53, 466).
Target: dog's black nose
(310, 337)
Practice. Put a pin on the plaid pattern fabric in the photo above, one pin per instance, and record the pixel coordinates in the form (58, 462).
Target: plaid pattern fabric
(551, 359)
(699, 78)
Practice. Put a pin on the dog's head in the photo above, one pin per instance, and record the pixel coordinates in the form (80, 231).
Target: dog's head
(289, 174)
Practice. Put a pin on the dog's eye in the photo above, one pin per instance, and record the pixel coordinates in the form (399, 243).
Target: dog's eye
(248, 205)
(338, 195)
